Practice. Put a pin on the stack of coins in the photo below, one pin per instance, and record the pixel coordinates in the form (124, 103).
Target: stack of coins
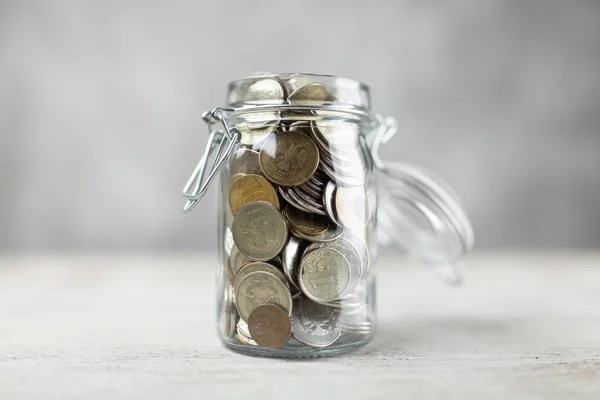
(298, 211)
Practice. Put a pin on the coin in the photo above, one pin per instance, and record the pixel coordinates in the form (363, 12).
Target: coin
(340, 178)
(254, 267)
(337, 136)
(269, 326)
(228, 243)
(324, 274)
(333, 232)
(314, 324)
(351, 207)
(328, 199)
(308, 200)
(283, 192)
(311, 95)
(237, 260)
(348, 249)
(256, 127)
(289, 158)
(318, 178)
(304, 204)
(243, 333)
(227, 316)
(248, 188)
(291, 259)
(306, 223)
(308, 190)
(259, 231)
(265, 92)
(259, 288)
(245, 161)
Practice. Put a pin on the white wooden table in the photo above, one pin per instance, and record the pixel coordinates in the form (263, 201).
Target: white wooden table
(91, 327)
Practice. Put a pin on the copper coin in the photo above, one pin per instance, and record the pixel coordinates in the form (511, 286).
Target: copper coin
(289, 158)
(249, 188)
(270, 326)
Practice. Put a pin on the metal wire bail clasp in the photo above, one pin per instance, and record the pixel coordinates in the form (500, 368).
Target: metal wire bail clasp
(219, 147)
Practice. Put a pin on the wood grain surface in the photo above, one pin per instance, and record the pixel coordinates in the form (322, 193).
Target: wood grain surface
(524, 326)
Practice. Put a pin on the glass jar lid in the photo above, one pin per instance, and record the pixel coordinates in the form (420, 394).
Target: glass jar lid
(423, 216)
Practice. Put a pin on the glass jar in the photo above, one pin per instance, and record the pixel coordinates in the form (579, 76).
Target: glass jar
(301, 189)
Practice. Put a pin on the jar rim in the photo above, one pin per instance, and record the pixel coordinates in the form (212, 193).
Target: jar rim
(344, 91)
(360, 84)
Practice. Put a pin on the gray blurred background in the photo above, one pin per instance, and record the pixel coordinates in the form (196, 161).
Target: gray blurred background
(101, 102)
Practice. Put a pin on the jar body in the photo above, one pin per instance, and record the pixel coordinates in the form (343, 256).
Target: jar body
(297, 234)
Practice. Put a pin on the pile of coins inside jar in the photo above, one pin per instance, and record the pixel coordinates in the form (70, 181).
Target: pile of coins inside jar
(297, 214)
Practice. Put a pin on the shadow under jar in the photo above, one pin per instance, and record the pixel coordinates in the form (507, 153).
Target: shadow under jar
(297, 214)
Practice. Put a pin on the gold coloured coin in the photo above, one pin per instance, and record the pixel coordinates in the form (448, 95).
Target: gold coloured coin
(248, 188)
(289, 158)
(306, 223)
(270, 326)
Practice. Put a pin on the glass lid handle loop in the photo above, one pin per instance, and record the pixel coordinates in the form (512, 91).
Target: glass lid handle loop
(221, 143)
(386, 129)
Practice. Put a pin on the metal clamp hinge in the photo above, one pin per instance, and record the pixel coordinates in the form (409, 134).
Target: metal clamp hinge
(221, 143)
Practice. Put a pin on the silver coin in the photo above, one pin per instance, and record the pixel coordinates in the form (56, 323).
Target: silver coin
(243, 333)
(311, 95)
(344, 180)
(353, 303)
(314, 324)
(318, 178)
(254, 267)
(237, 260)
(310, 191)
(331, 233)
(256, 128)
(228, 215)
(351, 207)
(324, 275)
(245, 161)
(291, 259)
(313, 186)
(258, 288)
(308, 199)
(259, 231)
(363, 252)
(283, 192)
(328, 202)
(336, 135)
(305, 205)
(267, 91)
(228, 314)
(350, 253)
(228, 243)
